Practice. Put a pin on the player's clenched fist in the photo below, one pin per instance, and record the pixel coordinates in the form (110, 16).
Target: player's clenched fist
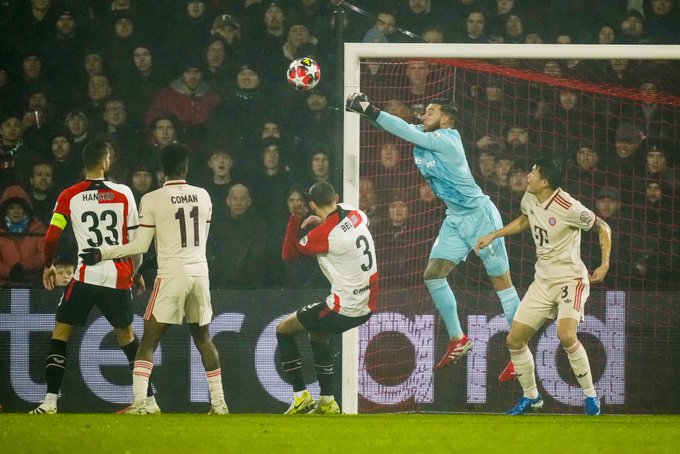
(359, 103)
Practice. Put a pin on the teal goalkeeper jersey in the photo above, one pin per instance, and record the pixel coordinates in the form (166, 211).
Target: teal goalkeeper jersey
(440, 157)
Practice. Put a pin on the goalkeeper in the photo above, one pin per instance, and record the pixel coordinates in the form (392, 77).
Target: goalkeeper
(440, 157)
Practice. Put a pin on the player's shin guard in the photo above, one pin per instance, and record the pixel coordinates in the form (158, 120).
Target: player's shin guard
(509, 302)
(130, 351)
(55, 365)
(140, 380)
(445, 301)
(524, 367)
(578, 358)
(323, 365)
(291, 361)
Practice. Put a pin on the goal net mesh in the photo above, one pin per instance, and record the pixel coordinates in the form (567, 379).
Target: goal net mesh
(616, 132)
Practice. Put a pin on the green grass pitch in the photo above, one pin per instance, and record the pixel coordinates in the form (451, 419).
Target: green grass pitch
(347, 434)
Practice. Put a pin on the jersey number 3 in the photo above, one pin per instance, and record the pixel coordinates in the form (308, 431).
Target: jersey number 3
(362, 242)
(181, 218)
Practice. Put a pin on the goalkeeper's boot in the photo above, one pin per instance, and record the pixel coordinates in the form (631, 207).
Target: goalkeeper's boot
(525, 404)
(219, 409)
(329, 407)
(44, 409)
(301, 405)
(137, 408)
(152, 407)
(456, 350)
(592, 406)
(508, 373)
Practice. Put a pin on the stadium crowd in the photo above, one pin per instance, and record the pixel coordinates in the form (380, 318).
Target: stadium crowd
(143, 74)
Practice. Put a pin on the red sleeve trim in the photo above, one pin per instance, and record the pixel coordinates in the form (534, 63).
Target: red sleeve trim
(51, 243)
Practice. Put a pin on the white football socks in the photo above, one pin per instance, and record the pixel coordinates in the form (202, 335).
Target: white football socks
(578, 358)
(524, 367)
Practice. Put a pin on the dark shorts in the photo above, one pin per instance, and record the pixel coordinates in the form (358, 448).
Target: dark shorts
(319, 318)
(79, 299)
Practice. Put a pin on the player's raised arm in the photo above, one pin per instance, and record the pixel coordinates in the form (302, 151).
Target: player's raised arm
(517, 226)
(604, 233)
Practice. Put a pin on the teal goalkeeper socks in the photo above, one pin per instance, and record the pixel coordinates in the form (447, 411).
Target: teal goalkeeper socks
(510, 302)
(445, 301)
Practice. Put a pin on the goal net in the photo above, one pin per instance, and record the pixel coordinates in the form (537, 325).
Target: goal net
(610, 115)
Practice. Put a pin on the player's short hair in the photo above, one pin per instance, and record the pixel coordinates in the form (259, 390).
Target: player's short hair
(449, 106)
(551, 170)
(94, 152)
(322, 194)
(175, 159)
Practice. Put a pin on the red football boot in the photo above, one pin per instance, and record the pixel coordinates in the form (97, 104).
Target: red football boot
(508, 373)
(455, 351)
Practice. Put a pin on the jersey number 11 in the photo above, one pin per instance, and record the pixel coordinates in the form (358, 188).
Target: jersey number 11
(180, 216)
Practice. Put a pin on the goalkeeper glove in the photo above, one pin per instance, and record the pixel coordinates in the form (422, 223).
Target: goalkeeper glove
(91, 256)
(359, 103)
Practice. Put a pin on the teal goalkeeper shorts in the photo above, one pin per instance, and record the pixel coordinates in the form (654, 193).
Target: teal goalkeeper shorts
(458, 235)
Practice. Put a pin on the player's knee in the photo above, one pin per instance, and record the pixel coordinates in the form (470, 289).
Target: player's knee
(567, 339)
(515, 342)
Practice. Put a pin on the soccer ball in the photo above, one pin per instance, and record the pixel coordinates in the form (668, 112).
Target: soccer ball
(303, 74)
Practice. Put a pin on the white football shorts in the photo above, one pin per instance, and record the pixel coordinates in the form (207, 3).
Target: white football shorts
(176, 299)
(555, 299)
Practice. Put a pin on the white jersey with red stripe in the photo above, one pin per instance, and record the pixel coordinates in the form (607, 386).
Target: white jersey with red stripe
(102, 214)
(345, 251)
(178, 215)
(556, 226)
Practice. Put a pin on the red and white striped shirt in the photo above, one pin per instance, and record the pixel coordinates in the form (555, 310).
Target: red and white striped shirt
(345, 251)
(102, 214)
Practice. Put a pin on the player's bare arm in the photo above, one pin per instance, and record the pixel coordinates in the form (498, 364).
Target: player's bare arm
(519, 225)
(49, 277)
(604, 233)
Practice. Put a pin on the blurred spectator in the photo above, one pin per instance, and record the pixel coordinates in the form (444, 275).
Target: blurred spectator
(117, 124)
(475, 28)
(78, 128)
(396, 246)
(220, 69)
(314, 125)
(190, 99)
(21, 241)
(142, 178)
(164, 131)
(65, 162)
(144, 79)
(237, 244)
(660, 164)
(633, 29)
(249, 100)
(369, 201)
(606, 35)
(16, 159)
(585, 173)
(98, 90)
(41, 192)
(228, 28)
(662, 19)
(38, 122)
(271, 182)
(219, 177)
(193, 25)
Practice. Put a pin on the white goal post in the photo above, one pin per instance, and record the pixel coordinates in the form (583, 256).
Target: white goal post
(355, 51)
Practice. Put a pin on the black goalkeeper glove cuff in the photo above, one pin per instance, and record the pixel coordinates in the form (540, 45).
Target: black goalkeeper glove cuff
(359, 103)
(91, 256)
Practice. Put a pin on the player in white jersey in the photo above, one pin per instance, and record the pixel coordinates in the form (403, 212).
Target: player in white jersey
(101, 212)
(178, 216)
(561, 284)
(345, 251)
